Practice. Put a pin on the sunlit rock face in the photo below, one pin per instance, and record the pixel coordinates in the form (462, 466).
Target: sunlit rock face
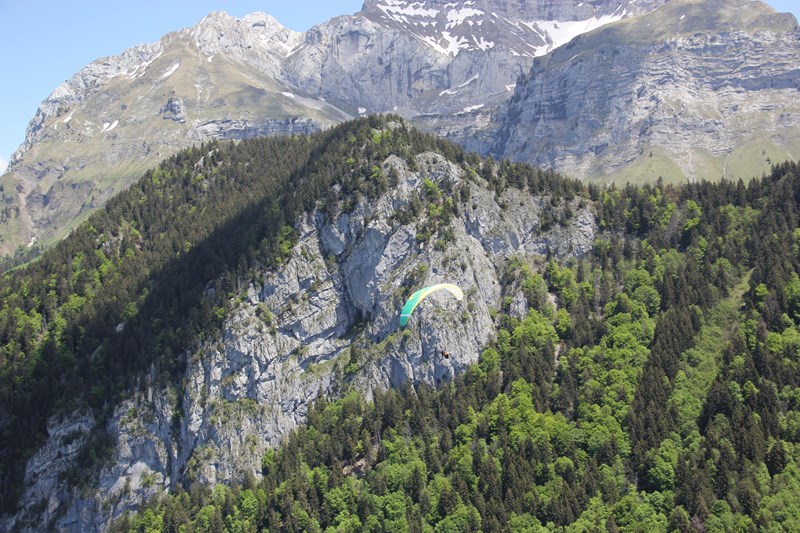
(326, 321)
(693, 90)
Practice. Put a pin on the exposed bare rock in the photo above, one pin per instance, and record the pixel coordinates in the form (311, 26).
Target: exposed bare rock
(326, 320)
(691, 90)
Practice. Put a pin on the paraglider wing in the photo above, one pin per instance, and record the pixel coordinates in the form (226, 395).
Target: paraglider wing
(423, 293)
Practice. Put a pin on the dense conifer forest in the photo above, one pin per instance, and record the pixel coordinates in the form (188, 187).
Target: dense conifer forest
(660, 392)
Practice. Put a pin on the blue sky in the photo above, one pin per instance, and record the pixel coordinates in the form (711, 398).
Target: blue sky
(43, 43)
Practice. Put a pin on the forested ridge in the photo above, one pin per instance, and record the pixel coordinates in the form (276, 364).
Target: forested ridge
(145, 279)
(673, 402)
(660, 391)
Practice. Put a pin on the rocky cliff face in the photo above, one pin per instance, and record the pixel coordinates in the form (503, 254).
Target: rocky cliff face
(446, 66)
(691, 90)
(327, 320)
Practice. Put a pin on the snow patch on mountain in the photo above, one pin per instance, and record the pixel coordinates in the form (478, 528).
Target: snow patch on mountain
(474, 78)
(470, 109)
(451, 27)
(461, 86)
(456, 17)
(557, 33)
(170, 71)
(399, 10)
(108, 126)
(483, 44)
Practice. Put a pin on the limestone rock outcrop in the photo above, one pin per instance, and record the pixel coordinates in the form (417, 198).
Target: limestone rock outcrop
(327, 320)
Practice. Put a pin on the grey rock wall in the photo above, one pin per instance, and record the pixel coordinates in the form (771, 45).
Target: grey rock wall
(325, 321)
(676, 93)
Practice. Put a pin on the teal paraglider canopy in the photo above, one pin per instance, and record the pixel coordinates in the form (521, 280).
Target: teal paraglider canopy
(423, 293)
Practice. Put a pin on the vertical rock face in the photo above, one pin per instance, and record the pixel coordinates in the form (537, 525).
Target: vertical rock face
(326, 320)
(692, 90)
(446, 66)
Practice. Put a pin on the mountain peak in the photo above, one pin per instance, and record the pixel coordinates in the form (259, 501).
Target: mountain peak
(527, 28)
(257, 20)
(220, 31)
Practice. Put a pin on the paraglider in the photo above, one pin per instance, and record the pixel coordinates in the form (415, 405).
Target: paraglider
(423, 293)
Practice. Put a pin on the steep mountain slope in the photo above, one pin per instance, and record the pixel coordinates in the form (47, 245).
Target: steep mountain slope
(637, 348)
(528, 28)
(138, 374)
(446, 66)
(691, 90)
